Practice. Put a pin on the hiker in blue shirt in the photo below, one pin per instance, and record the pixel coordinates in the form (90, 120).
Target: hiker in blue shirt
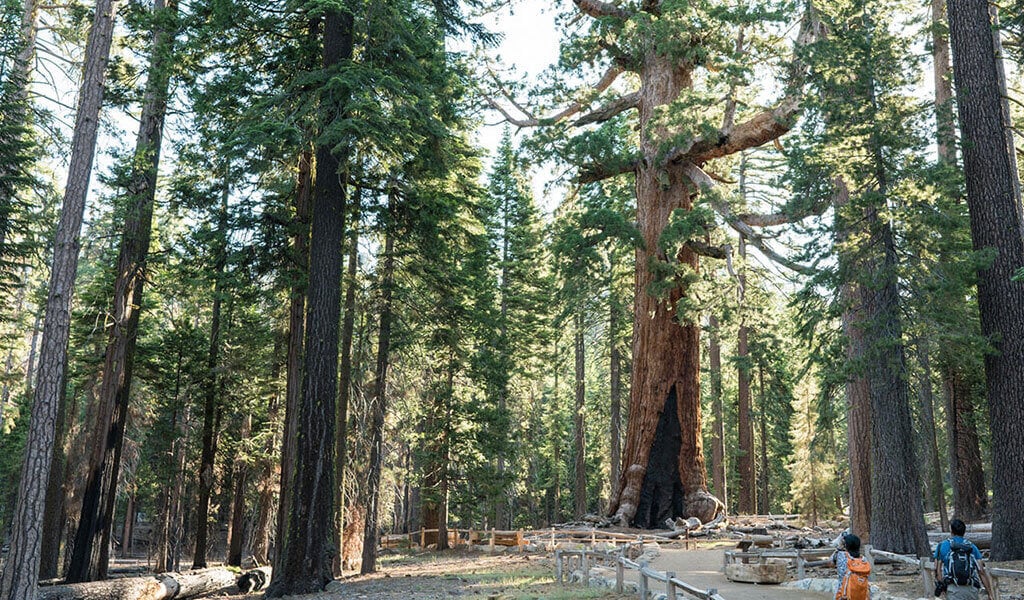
(958, 566)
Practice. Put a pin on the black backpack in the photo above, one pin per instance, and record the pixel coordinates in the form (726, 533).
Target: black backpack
(960, 564)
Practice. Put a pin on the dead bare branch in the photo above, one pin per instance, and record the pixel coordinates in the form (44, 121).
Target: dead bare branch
(596, 9)
(574, 108)
(701, 179)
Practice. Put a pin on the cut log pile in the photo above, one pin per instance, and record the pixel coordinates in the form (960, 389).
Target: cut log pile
(165, 586)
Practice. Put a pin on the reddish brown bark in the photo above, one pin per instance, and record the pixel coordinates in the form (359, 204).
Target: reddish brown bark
(718, 428)
(666, 352)
(579, 431)
(970, 499)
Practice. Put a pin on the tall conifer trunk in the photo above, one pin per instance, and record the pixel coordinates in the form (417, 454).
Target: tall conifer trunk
(211, 399)
(745, 426)
(345, 379)
(970, 500)
(718, 426)
(615, 387)
(579, 432)
(92, 541)
(296, 333)
(306, 565)
(897, 516)
(858, 391)
(21, 568)
(935, 486)
(994, 206)
(237, 523)
(380, 389)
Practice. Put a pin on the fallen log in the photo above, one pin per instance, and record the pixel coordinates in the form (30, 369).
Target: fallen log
(165, 586)
(981, 539)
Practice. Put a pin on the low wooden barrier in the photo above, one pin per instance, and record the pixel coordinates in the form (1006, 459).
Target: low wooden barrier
(456, 538)
(797, 558)
(996, 574)
(567, 560)
(927, 567)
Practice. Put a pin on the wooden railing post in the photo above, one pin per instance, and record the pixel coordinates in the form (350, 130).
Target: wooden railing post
(927, 579)
(620, 568)
(643, 580)
(558, 566)
(670, 588)
(585, 566)
(491, 547)
(800, 573)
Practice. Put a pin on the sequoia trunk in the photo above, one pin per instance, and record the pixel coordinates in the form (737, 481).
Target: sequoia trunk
(663, 474)
(970, 500)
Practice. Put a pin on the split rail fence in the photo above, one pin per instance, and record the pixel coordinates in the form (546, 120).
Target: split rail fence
(566, 561)
(927, 568)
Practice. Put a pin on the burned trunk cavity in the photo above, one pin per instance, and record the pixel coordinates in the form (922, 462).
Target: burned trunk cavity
(661, 496)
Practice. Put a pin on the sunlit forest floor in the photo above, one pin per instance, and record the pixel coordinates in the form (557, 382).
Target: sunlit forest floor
(458, 574)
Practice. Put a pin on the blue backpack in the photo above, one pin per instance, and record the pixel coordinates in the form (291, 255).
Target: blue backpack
(961, 568)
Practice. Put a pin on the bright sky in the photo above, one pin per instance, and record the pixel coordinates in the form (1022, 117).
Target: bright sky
(530, 44)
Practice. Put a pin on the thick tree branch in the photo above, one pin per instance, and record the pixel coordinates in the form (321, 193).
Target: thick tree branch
(609, 110)
(765, 126)
(701, 180)
(574, 108)
(596, 9)
(593, 172)
(706, 249)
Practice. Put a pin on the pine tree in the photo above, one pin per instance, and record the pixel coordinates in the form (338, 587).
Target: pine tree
(21, 570)
(993, 199)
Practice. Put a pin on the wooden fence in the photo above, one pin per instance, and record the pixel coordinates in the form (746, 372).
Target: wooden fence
(549, 538)
(568, 560)
(927, 567)
(456, 538)
(797, 558)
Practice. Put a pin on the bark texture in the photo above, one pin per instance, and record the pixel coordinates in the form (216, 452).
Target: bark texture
(92, 540)
(296, 333)
(165, 586)
(308, 552)
(994, 206)
(579, 431)
(745, 428)
(666, 351)
(718, 426)
(970, 499)
(897, 517)
(21, 568)
(380, 388)
(858, 391)
(345, 381)
(935, 489)
(615, 386)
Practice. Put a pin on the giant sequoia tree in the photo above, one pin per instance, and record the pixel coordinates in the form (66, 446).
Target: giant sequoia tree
(681, 57)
